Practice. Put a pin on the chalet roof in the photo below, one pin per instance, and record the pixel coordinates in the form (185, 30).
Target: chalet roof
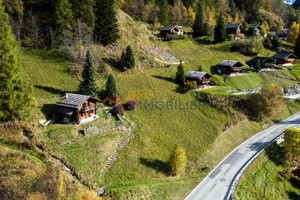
(228, 63)
(233, 26)
(283, 55)
(74, 100)
(262, 59)
(254, 26)
(195, 74)
(169, 28)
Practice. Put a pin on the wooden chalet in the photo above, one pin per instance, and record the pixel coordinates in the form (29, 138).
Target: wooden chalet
(228, 67)
(265, 62)
(282, 35)
(234, 29)
(202, 78)
(171, 30)
(75, 107)
(284, 58)
(256, 28)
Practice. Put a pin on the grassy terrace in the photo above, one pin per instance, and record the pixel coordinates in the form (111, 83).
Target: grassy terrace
(140, 169)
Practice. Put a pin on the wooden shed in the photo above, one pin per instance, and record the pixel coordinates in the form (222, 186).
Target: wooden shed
(265, 62)
(284, 58)
(235, 29)
(75, 107)
(202, 78)
(228, 67)
(171, 30)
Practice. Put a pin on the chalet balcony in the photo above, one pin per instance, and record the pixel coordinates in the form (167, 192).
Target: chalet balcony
(89, 108)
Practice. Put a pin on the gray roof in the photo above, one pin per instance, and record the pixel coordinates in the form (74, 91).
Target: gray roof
(254, 26)
(283, 55)
(195, 74)
(233, 26)
(169, 28)
(228, 63)
(73, 100)
(262, 59)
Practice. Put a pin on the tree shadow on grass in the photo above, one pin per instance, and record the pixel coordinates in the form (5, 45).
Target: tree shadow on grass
(49, 110)
(114, 63)
(213, 70)
(52, 90)
(293, 195)
(158, 165)
(275, 154)
(181, 90)
(164, 78)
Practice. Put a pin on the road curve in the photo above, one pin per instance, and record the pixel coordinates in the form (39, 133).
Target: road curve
(220, 183)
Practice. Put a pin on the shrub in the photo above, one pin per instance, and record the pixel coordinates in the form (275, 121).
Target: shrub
(230, 37)
(200, 68)
(266, 103)
(87, 195)
(177, 161)
(112, 101)
(268, 43)
(36, 196)
(190, 85)
(118, 110)
(215, 81)
(130, 105)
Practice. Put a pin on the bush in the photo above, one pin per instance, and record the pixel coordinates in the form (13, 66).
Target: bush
(112, 101)
(230, 37)
(190, 85)
(266, 103)
(215, 81)
(177, 161)
(268, 43)
(87, 195)
(130, 105)
(248, 48)
(118, 110)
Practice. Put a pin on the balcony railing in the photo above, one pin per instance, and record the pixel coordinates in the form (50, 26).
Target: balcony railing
(89, 108)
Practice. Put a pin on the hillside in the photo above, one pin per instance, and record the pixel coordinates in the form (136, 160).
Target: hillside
(207, 134)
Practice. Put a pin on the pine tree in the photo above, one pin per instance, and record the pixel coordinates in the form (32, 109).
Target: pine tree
(180, 76)
(128, 57)
(220, 31)
(163, 15)
(111, 88)
(84, 11)
(64, 21)
(15, 95)
(88, 85)
(177, 161)
(297, 47)
(106, 28)
(257, 66)
(198, 26)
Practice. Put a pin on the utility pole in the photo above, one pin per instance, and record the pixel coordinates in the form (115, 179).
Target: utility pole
(266, 182)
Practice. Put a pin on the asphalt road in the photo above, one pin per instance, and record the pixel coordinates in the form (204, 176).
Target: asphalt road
(221, 181)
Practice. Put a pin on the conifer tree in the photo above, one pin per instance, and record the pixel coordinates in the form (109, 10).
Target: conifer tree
(15, 94)
(190, 18)
(180, 76)
(177, 161)
(232, 10)
(111, 88)
(106, 28)
(198, 26)
(84, 11)
(128, 58)
(64, 21)
(88, 85)
(163, 15)
(257, 66)
(220, 31)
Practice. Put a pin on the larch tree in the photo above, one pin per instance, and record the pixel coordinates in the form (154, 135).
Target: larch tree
(220, 31)
(293, 33)
(64, 21)
(15, 94)
(163, 15)
(180, 75)
(106, 28)
(191, 15)
(177, 161)
(88, 85)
